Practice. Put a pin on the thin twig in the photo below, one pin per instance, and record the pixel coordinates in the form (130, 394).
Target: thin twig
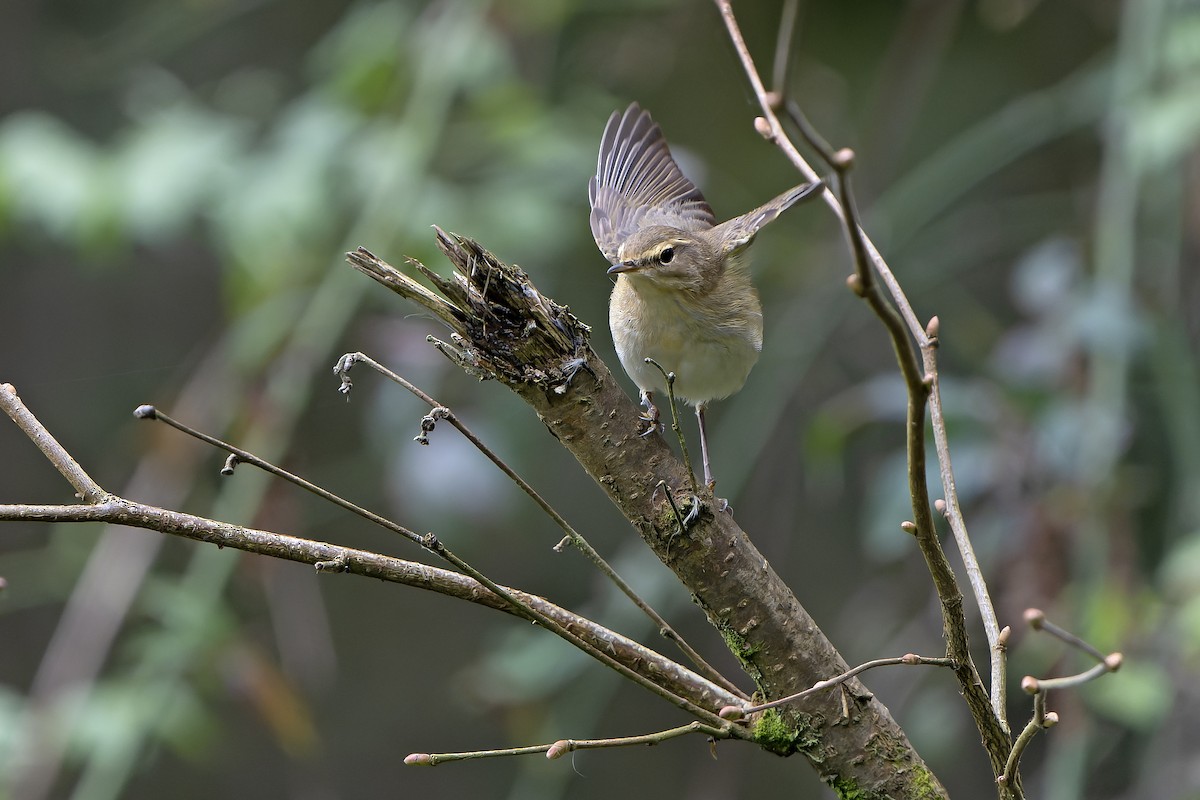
(999, 660)
(1036, 723)
(664, 628)
(815, 140)
(1107, 663)
(1071, 681)
(434, 545)
(669, 377)
(150, 412)
(1038, 687)
(116, 510)
(85, 488)
(674, 507)
(564, 746)
(910, 659)
(1036, 619)
(951, 510)
(783, 48)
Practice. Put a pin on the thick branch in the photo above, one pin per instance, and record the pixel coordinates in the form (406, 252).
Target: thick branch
(505, 329)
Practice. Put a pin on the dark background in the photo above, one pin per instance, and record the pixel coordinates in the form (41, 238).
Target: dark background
(178, 182)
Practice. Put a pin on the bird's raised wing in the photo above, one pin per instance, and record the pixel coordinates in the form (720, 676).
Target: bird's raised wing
(638, 183)
(737, 233)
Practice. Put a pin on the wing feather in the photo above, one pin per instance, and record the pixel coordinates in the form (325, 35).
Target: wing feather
(638, 183)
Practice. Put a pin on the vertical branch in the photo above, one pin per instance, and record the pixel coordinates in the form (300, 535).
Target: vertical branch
(908, 338)
(950, 509)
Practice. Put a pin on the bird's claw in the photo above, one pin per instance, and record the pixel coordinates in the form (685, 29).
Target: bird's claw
(652, 425)
(693, 513)
(651, 417)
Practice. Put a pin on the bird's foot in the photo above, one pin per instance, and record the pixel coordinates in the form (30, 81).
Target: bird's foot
(693, 513)
(570, 368)
(652, 426)
(651, 417)
(721, 503)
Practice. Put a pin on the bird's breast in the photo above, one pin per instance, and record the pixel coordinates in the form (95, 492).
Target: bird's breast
(710, 342)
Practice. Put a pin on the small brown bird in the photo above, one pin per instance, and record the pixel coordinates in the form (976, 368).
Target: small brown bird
(683, 295)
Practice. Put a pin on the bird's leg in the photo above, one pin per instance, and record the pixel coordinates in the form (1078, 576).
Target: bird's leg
(650, 415)
(709, 482)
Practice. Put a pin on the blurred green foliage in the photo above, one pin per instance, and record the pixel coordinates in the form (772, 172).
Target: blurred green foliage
(178, 183)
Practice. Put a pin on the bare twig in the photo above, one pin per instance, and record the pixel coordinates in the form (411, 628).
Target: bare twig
(669, 680)
(564, 746)
(669, 378)
(240, 456)
(434, 545)
(910, 659)
(110, 508)
(1036, 619)
(1036, 723)
(925, 341)
(1111, 662)
(85, 488)
(783, 48)
(664, 628)
(1038, 687)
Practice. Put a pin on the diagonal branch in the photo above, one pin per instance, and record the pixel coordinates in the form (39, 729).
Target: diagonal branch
(505, 329)
(346, 362)
(684, 687)
(434, 545)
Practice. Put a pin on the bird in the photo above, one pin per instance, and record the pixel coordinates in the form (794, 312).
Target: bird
(682, 295)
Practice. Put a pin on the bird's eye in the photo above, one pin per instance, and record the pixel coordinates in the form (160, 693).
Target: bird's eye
(667, 255)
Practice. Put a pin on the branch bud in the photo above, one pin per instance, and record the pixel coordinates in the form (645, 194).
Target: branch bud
(1113, 661)
(730, 712)
(908, 526)
(1029, 684)
(843, 159)
(559, 749)
(764, 128)
(1002, 639)
(146, 412)
(419, 760)
(931, 330)
(1050, 720)
(1034, 617)
(855, 283)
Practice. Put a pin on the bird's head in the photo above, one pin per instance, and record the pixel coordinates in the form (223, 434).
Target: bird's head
(669, 258)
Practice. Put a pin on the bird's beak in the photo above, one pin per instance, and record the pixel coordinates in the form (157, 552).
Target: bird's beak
(624, 266)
